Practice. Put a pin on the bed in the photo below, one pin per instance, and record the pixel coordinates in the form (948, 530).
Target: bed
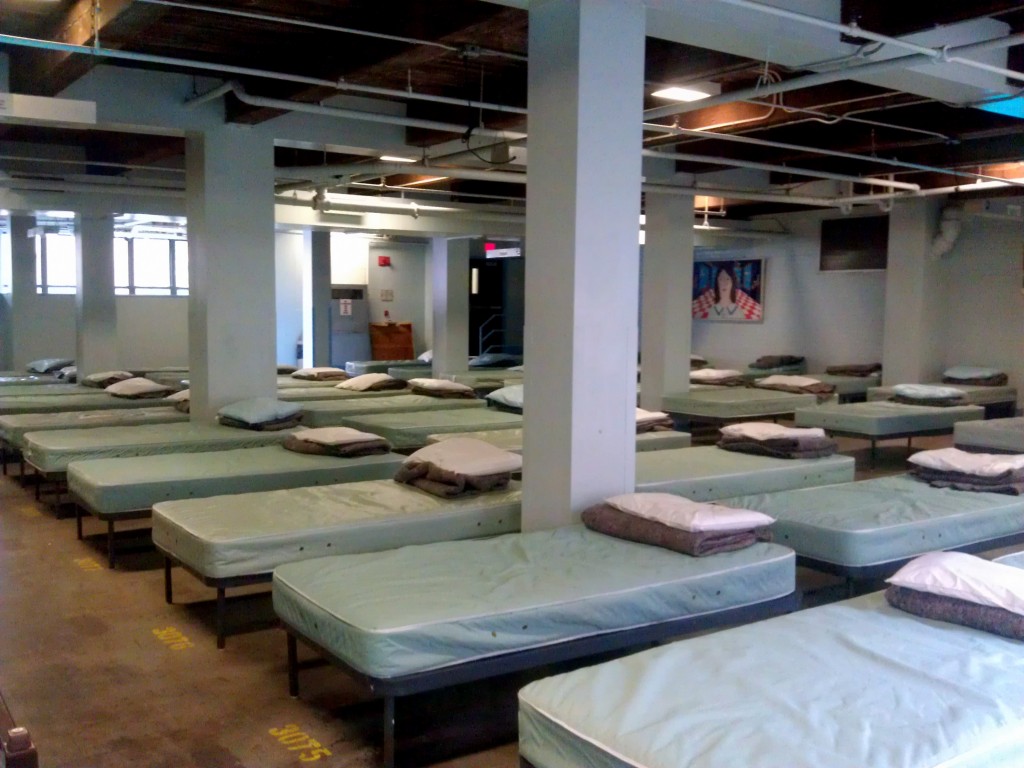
(359, 367)
(302, 394)
(883, 420)
(867, 529)
(848, 685)
(512, 439)
(992, 436)
(13, 428)
(997, 401)
(721, 405)
(17, 750)
(406, 372)
(11, 379)
(114, 490)
(426, 617)
(93, 400)
(54, 389)
(849, 389)
(406, 431)
(290, 382)
(486, 380)
(231, 541)
(332, 413)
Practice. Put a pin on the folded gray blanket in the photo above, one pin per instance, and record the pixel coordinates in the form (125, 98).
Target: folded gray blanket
(933, 402)
(782, 447)
(855, 369)
(776, 361)
(446, 484)
(446, 394)
(1010, 483)
(286, 422)
(610, 521)
(658, 425)
(820, 390)
(987, 618)
(995, 380)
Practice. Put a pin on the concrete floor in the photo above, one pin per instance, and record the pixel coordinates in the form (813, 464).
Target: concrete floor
(104, 673)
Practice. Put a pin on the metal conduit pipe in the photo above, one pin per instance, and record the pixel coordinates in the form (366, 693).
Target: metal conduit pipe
(823, 78)
(73, 186)
(743, 194)
(405, 208)
(782, 169)
(975, 186)
(325, 174)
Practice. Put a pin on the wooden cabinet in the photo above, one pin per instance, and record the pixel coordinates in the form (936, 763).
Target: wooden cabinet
(391, 341)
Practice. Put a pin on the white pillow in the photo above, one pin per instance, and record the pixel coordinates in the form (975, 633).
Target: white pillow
(104, 375)
(713, 374)
(178, 397)
(259, 410)
(680, 512)
(439, 385)
(427, 357)
(320, 372)
(364, 381)
(467, 456)
(136, 386)
(981, 464)
(510, 396)
(965, 577)
(969, 372)
(788, 381)
(335, 436)
(763, 430)
(921, 391)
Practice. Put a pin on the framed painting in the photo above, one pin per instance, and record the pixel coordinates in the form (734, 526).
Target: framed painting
(729, 290)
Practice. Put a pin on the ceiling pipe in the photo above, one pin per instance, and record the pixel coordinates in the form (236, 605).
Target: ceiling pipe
(977, 186)
(743, 194)
(781, 169)
(359, 204)
(327, 173)
(824, 78)
(60, 186)
(97, 163)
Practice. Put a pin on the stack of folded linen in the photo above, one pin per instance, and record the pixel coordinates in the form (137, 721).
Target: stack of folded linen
(459, 466)
(653, 421)
(372, 382)
(969, 374)
(677, 523)
(320, 373)
(262, 414)
(724, 377)
(927, 394)
(797, 384)
(854, 369)
(764, 439)
(777, 361)
(441, 388)
(967, 471)
(336, 441)
(698, 361)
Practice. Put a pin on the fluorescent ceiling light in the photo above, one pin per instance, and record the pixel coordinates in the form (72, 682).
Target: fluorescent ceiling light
(690, 92)
(428, 180)
(397, 159)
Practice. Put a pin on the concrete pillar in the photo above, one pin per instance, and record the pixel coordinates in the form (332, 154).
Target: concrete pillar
(666, 320)
(95, 305)
(582, 265)
(449, 279)
(232, 326)
(914, 336)
(23, 288)
(318, 251)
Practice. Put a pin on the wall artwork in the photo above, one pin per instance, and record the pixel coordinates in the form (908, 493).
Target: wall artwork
(730, 290)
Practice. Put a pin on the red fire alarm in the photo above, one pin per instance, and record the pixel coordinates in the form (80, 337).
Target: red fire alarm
(383, 261)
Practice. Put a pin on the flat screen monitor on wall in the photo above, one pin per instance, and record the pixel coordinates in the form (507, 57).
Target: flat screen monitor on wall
(854, 243)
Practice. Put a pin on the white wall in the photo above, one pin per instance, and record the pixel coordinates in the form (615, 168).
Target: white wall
(47, 328)
(290, 256)
(407, 278)
(152, 331)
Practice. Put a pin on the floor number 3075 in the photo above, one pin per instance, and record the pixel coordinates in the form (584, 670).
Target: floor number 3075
(292, 738)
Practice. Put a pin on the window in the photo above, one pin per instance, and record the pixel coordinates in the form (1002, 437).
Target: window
(150, 266)
(56, 264)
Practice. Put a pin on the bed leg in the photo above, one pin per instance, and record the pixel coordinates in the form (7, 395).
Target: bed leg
(221, 610)
(3, 455)
(873, 452)
(293, 666)
(389, 732)
(110, 543)
(168, 586)
(39, 483)
(78, 521)
(851, 588)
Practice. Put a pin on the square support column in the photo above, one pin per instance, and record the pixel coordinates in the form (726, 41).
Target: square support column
(582, 265)
(318, 338)
(23, 288)
(449, 278)
(232, 325)
(666, 318)
(95, 305)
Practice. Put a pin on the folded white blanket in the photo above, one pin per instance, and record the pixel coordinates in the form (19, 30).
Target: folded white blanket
(645, 417)
(467, 456)
(680, 512)
(334, 436)
(713, 374)
(763, 430)
(926, 391)
(787, 381)
(980, 464)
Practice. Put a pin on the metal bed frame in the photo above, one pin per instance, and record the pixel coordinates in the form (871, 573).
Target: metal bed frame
(17, 749)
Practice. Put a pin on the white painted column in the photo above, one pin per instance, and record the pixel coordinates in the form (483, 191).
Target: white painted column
(449, 279)
(666, 319)
(230, 207)
(914, 335)
(95, 305)
(318, 251)
(23, 288)
(582, 264)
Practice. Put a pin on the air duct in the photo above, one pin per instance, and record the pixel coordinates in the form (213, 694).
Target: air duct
(950, 225)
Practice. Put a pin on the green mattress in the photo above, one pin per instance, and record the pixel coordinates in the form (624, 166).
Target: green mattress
(359, 367)
(855, 684)
(241, 535)
(52, 451)
(51, 390)
(848, 386)
(870, 522)
(113, 486)
(415, 609)
(512, 439)
(13, 428)
(797, 369)
(974, 394)
(481, 378)
(882, 418)
(728, 403)
(290, 382)
(706, 472)
(992, 436)
(332, 414)
(93, 400)
(410, 430)
(301, 394)
(27, 380)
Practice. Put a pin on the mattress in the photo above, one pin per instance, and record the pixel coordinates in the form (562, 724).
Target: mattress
(870, 522)
(13, 428)
(706, 472)
(734, 403)
(848, 685)
(91, 401)
(52, 451)
(881, 418)
(486, 377)
(332, 414)
(112, 486)
(406, 372)
(415, 609)
(410, 430)
(359, 367)
(512, 439)
(50, 390)
(27, 379)
(225, 536)
(302, 394)
(797, 369)
(995, 435)
(975, 394)
(847, 386)
(290, 382)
